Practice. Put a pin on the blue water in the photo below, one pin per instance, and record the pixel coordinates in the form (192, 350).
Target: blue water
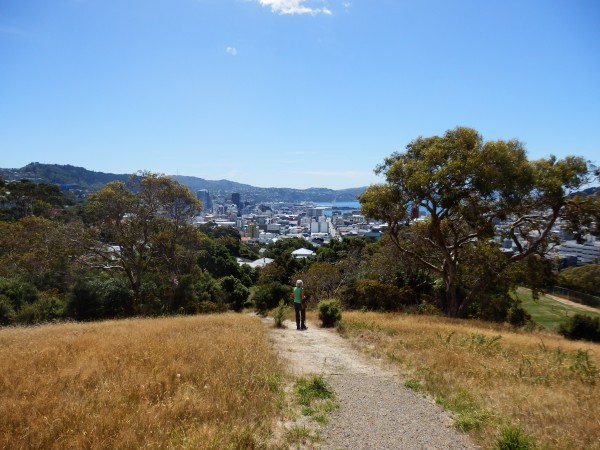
(354, 205)
(347, 206)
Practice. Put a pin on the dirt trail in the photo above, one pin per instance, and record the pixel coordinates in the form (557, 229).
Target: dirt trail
(564, 301)
(376, 410)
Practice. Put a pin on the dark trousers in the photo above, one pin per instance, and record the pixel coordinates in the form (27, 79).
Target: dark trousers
(300, 315)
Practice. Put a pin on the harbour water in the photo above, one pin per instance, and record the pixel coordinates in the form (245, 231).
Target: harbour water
(339, 206)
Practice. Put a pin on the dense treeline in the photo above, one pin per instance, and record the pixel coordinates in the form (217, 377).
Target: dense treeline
(131, 249)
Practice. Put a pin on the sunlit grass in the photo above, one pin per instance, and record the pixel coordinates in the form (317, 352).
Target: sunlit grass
(491, 376)
(548, 312)
(190, 382)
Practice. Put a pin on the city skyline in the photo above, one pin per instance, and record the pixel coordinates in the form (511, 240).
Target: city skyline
(292, 93)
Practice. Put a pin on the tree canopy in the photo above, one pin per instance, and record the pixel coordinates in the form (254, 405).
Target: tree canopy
(472, 192)
(147, 224)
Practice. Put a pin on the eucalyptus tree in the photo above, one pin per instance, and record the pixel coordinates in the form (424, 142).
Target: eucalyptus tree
(144, 227)
(473, 191)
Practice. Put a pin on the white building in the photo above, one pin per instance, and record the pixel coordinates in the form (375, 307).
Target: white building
(303, 253)
(586, 253)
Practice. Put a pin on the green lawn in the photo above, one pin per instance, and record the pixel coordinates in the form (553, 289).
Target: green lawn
(548, 312)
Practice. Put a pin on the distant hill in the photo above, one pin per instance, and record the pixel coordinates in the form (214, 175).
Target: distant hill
(91, 181)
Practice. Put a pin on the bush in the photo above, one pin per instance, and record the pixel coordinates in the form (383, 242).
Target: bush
(375, 296)
(280, 313)
(45, 309)
(517, 316)
(330, 312)
(235, 292)
(581, 327)
(85, 300)
(7, 312)
(116, 298)
(268, 296)
(17, 292)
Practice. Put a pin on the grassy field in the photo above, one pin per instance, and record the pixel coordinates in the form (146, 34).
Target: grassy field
(537, 385)
(548, 312)
(191, 382)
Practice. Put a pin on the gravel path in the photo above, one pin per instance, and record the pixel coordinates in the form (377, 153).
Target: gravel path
(376, 411)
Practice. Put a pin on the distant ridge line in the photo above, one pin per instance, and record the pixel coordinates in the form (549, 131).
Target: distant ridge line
(92, 180)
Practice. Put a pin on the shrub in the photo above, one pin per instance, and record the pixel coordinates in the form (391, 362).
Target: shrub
(19, 293)
(330, 312)
(235, 292)
(7, 312)
(268, 296)
(581, 327)
(280, 313)
(45, 309)
(375, 296)
(85, 300)
(517, 316)
(116, 298)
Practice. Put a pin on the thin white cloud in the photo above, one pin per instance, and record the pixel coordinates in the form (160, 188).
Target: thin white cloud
(232, 51)
(283, 7)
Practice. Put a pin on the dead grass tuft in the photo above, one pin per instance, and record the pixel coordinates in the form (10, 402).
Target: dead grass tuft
(492, 376)
(191, 382)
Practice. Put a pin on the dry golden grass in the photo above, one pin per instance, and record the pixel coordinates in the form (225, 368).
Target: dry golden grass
(493, 376)
(189, 382)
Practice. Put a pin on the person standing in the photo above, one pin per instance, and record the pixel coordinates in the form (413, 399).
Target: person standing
(300, 306)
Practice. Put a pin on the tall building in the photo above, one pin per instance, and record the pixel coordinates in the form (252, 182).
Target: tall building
(237, 200)
(204, 196)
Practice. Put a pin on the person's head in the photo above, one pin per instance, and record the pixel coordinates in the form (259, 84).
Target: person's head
(299, 283)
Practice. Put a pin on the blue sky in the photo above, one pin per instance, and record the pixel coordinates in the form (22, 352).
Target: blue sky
(290, 93)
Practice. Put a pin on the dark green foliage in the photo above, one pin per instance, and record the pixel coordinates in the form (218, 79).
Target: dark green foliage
(23, 198)
(217, 260)
(198, 293)
(585, 279)
(272, 273)
(289, 264)
(330, 312)
(116, 298)
(517, 316)
(207, 289)
(85, 300)
(581, 327)
(248, 275)
(312, 389)
(375, 296)
(268, 296)
(228, 237)
(7, 312)
(93, 299)
(287, 246)
(20, 302)
(18, 293)
(235, 293)
(336, 250)
(44, 309)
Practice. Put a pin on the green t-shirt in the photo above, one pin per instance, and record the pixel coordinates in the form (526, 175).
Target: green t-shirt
(298, 294)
